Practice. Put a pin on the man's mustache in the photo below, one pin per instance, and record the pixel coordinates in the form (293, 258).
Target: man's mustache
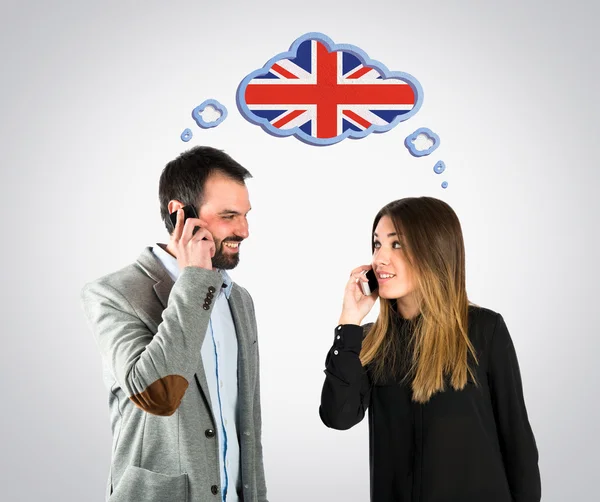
(233, 239)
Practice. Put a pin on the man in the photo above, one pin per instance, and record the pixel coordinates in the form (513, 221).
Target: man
(179, 347)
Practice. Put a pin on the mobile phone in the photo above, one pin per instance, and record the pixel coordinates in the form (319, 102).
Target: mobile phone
(188, 212)
(372, 285)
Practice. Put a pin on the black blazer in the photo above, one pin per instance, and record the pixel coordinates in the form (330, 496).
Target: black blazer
(473, 445)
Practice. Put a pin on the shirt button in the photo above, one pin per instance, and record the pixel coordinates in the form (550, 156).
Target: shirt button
(209, 433)
(338, 337)
(246, 433)
(246, 486)
(205, 307)
(221, 384)
(225, 421)
(339, 327)
(335, 352)
(211, 290)
(214, 489)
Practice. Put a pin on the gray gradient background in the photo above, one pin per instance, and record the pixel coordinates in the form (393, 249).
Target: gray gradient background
(94, 97)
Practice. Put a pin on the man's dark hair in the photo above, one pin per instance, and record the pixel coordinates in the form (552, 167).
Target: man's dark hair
(184, 178)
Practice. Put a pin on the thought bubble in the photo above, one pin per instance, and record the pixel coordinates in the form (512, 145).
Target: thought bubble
(422, 142)
(322, 93)
(209, 113)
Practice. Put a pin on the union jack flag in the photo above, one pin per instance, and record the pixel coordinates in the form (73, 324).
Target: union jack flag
(327, 95)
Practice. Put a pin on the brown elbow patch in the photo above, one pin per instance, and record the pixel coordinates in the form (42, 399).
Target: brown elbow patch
(162, 397)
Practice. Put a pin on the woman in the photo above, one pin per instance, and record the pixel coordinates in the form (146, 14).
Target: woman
(439, 376)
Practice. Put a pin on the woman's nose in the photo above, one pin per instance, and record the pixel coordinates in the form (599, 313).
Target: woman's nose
(381, 257)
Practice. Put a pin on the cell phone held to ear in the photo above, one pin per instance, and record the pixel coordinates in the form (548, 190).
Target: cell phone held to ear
(188, 212)
(372, 285)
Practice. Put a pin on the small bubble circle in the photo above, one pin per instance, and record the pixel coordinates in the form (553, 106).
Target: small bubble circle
(445, 184)
(186, 135)
(440, 167)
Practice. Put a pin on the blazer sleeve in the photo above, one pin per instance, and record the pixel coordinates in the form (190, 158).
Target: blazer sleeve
(153, 369)
(517, 443)
(347, 389)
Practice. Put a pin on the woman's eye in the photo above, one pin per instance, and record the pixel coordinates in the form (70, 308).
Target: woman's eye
(376, 244)
(397, 245)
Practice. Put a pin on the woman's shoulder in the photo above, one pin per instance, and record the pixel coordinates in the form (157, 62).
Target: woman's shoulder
(482, 316)
(482, 325)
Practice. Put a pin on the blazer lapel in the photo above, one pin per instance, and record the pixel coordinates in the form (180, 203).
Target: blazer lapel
(154, 269)
(241, 331)
(163, 289)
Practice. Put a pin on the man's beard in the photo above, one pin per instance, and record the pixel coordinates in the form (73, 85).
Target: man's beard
(226, 261)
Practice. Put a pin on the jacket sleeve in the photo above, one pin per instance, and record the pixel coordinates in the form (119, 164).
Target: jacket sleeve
(347, 388)
(517, 443)
(153, 369)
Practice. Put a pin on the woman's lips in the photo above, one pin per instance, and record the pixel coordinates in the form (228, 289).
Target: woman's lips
(386, 278)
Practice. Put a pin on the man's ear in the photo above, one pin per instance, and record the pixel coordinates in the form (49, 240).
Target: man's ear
(174, 205)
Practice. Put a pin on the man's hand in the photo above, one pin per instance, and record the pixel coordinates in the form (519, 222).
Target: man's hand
(192, 250)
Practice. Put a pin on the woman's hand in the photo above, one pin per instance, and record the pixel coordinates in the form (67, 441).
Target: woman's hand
(356, 305)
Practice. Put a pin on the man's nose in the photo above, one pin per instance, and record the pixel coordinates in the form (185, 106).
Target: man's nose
(242, 229)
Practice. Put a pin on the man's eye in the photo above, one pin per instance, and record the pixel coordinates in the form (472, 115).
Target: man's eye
(228, 217)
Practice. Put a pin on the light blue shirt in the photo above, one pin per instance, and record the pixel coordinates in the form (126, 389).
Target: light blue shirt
(219, 356)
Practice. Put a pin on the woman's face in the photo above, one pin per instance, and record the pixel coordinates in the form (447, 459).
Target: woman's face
(394, 274)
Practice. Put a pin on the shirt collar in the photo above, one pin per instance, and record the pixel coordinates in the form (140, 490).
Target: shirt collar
(172, 268)
(227, 283)
(168, 261)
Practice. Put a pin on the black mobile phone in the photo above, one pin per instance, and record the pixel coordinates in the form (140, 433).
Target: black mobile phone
(372, 285)
(188, 212)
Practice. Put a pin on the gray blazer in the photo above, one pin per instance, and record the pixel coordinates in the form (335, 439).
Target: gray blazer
(150, 331)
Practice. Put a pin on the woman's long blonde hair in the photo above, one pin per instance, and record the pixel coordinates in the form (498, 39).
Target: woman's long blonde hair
(431, 239)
